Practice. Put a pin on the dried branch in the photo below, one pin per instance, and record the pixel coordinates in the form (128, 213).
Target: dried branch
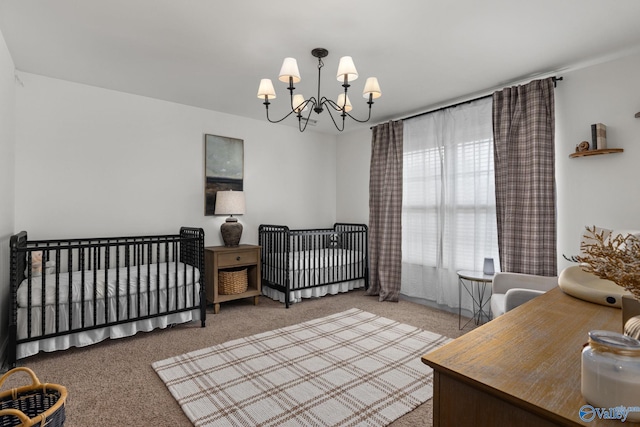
(615, 258)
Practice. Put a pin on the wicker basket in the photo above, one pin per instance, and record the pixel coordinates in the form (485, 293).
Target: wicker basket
(231, 282)
(34, 405)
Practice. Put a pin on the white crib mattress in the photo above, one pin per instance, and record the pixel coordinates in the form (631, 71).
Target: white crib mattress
(160, 296)
(113, 278)
(319, 258)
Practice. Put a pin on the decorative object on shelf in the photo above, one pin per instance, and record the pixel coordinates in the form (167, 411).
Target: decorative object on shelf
(346, 73)
(230, 203)
(598, 136)
(583, 146)
(611, 371)
(223, 167)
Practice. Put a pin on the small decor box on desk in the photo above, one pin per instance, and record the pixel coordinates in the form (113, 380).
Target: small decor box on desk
(232, 273)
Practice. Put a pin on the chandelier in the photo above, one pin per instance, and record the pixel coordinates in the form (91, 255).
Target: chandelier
(346, 73)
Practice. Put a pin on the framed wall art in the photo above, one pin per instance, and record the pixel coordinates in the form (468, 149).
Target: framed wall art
(224, 167)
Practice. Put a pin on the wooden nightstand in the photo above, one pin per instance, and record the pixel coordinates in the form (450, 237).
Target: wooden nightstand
(219, 258)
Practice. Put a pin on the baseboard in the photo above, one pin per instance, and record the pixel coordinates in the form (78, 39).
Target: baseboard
(464, 311)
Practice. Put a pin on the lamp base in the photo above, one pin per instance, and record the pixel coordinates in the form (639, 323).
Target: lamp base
(231, 231)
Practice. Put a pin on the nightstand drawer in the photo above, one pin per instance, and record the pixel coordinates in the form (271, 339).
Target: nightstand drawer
(237, 258)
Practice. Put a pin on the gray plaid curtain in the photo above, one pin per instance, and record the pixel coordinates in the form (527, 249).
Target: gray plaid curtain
(385, 211)
(524, 155)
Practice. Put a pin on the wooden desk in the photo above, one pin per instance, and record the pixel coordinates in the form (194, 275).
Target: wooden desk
(521, 369)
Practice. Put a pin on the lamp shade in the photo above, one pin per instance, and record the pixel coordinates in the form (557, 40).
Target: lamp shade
(289, 69)
(230, 203)
(341, 103)
(372, 87)
(297, 102)
(266, 89)
(346, 67)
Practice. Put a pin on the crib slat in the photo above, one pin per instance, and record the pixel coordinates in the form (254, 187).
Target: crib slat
(43, 293)
(94, 251)
(57, 279)
(70, 290)
(82, 296)
(137, 295)
(166, 260)
(158, 276)
(107, 266)
(118, 248)
(127, 261)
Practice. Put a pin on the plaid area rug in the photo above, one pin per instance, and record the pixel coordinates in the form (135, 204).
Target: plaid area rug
(349, 369)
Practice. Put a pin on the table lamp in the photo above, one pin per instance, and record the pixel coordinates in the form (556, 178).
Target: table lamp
(230, 203)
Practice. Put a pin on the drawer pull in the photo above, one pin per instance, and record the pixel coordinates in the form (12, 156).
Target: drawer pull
(237, 258)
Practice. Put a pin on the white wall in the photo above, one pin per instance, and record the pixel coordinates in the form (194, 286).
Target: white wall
(598, 190)
(353, 156)
(7, 144)
(91, 161)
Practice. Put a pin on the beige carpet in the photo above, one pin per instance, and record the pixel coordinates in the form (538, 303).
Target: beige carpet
(113, 383)
(351, 368)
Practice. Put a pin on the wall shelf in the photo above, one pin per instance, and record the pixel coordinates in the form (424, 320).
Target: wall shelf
(596, 152)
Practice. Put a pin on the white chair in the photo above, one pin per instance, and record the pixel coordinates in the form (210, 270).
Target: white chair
(509, 290)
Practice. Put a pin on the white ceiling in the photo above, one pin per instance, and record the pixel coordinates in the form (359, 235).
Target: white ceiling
(212, 54)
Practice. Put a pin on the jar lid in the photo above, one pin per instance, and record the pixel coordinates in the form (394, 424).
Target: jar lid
(614, 340)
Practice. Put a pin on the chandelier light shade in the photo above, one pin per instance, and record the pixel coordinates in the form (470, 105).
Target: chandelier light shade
(266, 90)
(341, 103)
(298, 103)
(347, 70)
(371, 88)
(289, 70)
(346, 74)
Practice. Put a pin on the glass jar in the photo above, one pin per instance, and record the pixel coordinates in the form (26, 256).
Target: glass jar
(611, 371)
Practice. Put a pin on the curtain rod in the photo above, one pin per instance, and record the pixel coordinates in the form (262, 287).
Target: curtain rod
(555, 80)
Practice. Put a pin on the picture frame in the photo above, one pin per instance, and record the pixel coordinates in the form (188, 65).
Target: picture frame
(223, 167)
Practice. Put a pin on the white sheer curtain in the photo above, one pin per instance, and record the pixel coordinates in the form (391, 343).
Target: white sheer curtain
(448, 212)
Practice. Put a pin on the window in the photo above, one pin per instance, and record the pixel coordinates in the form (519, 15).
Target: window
(449, 214)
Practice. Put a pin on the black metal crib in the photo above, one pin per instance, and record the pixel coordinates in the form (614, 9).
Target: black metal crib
(306, 258)
(71, 286)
